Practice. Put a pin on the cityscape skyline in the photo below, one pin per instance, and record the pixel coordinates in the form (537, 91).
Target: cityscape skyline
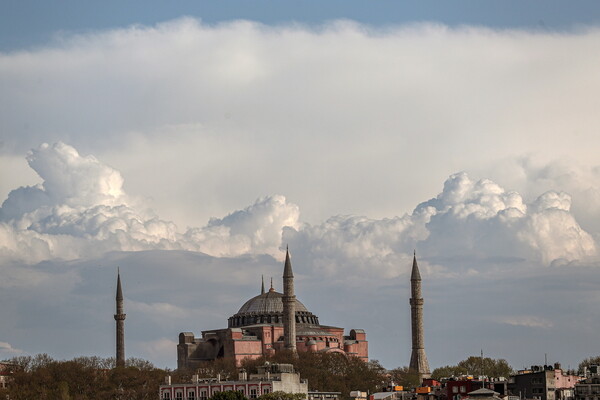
(190, 150)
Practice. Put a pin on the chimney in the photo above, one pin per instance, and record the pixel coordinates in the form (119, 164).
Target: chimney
(243, 375)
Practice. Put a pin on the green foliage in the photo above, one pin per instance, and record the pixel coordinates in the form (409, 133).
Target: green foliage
(228, 395)
(587, 362)
(448, 371)
(83, 378)
(279, 395)
(493, 368)
(222, 366)
(406, 377)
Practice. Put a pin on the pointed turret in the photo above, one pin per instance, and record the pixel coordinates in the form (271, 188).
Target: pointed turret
(120, 318)
(289, 305)
(287, 269)
(415, 275)
(418, 359)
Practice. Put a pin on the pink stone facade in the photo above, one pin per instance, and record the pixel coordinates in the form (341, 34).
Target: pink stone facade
(266, 339)
(204, 391)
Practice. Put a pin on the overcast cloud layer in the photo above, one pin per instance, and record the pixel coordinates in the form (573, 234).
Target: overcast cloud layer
(190, 155)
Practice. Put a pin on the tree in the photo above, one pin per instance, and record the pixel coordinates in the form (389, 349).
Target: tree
(228, 395)
(493, 368)
(221, 366)
(448, 371)
(405, 376)
(587, 362)
(82, 378)
(330, 371)
(279, 395)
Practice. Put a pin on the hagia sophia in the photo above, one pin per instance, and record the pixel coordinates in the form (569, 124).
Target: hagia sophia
(259, 328)
(273, 321)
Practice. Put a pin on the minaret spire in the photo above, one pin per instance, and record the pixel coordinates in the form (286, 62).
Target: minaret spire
(120, 318)
(262, 286)
(418, 359)
(289, 305)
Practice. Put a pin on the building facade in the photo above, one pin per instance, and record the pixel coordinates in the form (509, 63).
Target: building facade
(589, 388)
(6, 371)
(270, 378)
(259, 328)
(543, 382)
(459, 388)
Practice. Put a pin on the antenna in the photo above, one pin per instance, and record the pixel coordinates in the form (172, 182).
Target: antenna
(482, 375)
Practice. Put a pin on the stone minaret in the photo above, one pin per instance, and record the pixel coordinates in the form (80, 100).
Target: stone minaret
(289, 306)
(418, 359)
(120, 318)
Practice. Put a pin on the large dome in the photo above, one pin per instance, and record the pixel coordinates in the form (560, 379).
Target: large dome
(269, 302)
(267, 308)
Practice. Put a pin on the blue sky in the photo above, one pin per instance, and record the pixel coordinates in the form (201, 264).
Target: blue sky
(190, 142)
(29, 23)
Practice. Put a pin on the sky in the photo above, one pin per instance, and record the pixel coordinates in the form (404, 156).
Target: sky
(188, 144)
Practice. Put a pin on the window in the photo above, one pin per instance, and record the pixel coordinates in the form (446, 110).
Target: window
(265, 390)
(463, 389)
(191, 396)
(253, 393)
(454, 389)
(203, 395)
(166, 395)
(179, 396)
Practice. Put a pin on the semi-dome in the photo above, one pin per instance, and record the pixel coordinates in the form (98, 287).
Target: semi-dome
(267, 308)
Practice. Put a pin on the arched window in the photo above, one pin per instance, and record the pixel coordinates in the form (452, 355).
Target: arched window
(191, 395)
(166, 395)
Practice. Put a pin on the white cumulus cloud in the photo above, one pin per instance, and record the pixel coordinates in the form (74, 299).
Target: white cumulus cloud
(81, 210)
(469, 218)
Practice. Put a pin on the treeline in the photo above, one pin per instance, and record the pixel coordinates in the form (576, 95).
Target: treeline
(87, 378)
(83, 378)
(490, 367)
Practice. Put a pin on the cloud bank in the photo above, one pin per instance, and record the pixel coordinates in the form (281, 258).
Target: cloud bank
(80, 210)
(330, 107)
